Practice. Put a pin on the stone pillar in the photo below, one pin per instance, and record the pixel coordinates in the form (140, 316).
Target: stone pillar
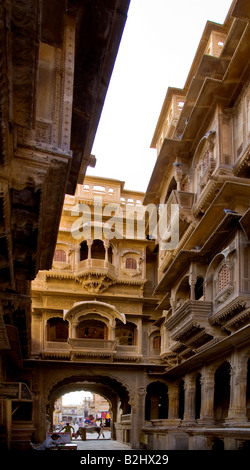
(72, 333)
(77, 255)
(89, 243)
(173, 402)
(37, 333)
(112, 323)
(189, 408)
(39, 413)
(207, 398)
(192, 282)
(106, 246)
(238, 389)
(178, 176)
(139, 337)
(137, 416)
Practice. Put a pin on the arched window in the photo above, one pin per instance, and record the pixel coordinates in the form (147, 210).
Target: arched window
(60, 255)
(57, 330)
(222, 392)
(157, 343)
(126, 334)
(199, 289)
(110, 254)
(223, 277)
(131, 263)
(172, 187)
(91, 329)
(83, 251)
(97, 250)
(156, 404)
(198, 396)
(181, 399)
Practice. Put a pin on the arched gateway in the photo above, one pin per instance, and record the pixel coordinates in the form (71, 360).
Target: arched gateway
(112, 389)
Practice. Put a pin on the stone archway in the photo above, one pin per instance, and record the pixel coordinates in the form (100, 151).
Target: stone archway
(157, 402)
(113, 390)
(222, 392)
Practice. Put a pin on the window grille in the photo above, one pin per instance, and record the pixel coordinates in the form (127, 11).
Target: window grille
(157, 342)
(131, 263)
(60, 255)
(223, 277)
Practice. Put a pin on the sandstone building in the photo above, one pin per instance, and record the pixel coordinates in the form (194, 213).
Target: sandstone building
(56, 59)
(161, 330)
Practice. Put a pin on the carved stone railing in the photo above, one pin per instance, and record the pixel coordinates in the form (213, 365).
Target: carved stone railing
(127, 353)
(190, 325)
(77, 348)
(56, 345)
(126, 419)
(233, 315)
(92, 344)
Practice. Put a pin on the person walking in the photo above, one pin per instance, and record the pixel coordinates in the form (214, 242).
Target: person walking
(69, 429)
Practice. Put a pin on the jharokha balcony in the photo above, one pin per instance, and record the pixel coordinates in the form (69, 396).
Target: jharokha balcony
(77, 349)
(190, 329)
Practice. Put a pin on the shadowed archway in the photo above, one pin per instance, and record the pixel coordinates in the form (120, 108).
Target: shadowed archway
(110, 388)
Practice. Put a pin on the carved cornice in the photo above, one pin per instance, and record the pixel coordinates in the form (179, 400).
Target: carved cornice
(25, 32)
(230, 310)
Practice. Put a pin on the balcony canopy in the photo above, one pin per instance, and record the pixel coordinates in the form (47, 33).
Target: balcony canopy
(93, 307)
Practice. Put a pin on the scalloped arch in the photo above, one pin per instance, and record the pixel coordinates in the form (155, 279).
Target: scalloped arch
(86, 307)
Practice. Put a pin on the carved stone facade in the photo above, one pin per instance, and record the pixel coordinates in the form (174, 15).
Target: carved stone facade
(203, 282)
(162, 334)
(51, 96)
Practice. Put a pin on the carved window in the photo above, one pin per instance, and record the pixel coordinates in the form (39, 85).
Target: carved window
(97, 250)
(83, 251)
(223, 277)
(57, 330)
(126, 334)
(205, 162)
(92, 329)
(157, 342)
(131, 263)
(60, 255)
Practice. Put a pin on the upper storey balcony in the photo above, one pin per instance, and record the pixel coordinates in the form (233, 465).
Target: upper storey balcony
(170, 113)
(108, 190)
(88, 331)
(190, 328)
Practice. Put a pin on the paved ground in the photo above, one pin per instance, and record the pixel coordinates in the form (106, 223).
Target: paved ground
(92, 443)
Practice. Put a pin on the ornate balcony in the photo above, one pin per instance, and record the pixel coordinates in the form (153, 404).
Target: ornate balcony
(78, 348)
(234, 315)
(83, 348)
(190, 326)
(127, 353)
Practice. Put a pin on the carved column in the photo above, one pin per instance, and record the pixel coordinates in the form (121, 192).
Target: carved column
(77, 256)
(207, 398)
(190, 391)
(173, 410)
(238, 388)
(73, 326)
(139, 337)
(137, 416)
(106, 246)
(37, 333)
(178, 176)
(192, 282)
(112, 323)
(89, 243)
